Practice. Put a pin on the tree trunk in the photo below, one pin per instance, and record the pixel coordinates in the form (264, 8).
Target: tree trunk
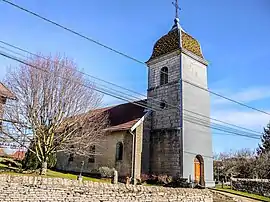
(43, 169)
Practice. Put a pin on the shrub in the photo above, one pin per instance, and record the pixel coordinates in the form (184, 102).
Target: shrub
(179, 182)
(30, 162)
(106, 172)
(162, 179)
(144, 178)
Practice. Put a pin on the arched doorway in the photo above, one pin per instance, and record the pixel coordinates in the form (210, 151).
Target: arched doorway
(199, 170)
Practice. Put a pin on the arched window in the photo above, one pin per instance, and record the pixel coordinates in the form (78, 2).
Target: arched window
(91, 159)
(119, 151)
(163, 75)
(71, 157)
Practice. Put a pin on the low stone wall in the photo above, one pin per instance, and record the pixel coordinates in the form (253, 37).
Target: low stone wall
(30, 189)
(255, 186)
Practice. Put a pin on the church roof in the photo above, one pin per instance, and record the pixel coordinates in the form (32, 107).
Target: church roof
(5, 92)
(122, 117)
(170, 42)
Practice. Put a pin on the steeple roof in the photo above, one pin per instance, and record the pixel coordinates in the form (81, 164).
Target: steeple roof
(170, 43)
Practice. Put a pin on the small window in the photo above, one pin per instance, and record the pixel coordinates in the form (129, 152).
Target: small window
(119, 151)
(163, 105)
(163, 75)
(91, 159)
(71, 157)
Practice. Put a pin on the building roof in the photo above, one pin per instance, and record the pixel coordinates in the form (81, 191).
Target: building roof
(5, 92)
(2, 152)
(124, 116)
(18, 155)
(170, 43)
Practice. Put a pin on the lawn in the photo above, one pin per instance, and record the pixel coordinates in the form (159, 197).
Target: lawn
(50, 173)
(253, 196)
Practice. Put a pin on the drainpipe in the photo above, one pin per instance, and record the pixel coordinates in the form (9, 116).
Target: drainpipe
(133, 157)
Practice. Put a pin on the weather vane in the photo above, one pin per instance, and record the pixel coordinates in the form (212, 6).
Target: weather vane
(177, 8)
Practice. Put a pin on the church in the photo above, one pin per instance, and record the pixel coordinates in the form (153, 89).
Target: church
(169, 132)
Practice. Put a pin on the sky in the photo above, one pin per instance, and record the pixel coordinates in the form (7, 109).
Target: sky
(234, 36)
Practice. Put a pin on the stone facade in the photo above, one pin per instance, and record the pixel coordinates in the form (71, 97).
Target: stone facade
(105, 156)
(176, 133)
(176, 137)
(254, 186)
(165, 136)
(32, 189)
(165, 152)
(138, 139)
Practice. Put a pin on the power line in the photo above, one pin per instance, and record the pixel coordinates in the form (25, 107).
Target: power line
(109, 93)
(219, 125)
(89, 75)
(247, 129)
(222, 96)
(188, 152)
(220, 129)
(73, 32)
(110, 83)
(122, 54)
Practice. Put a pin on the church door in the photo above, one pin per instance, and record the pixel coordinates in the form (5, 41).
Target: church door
(197, 167)
(199, 170)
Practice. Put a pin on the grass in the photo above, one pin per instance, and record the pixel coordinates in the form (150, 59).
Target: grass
(228, 189)
(56, 174)
(5, 167)
(50, 174)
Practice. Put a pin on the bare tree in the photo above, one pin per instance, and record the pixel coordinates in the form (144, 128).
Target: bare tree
(262, 166)
(240, 163)
(57, 104)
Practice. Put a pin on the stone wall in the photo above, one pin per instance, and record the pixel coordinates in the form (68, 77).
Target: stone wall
(30, 189)
(105, 156)
(165, 156)
(165, 137)
(169, 93)
(255, 186)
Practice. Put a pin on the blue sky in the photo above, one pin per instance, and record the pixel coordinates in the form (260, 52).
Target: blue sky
(234, 36)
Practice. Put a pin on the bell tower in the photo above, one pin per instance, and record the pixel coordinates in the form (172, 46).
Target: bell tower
(164, 95)
(178, 141)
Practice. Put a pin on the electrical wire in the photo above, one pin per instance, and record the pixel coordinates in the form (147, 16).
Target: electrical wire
(123, 54)
(136, 98)
(105, 92)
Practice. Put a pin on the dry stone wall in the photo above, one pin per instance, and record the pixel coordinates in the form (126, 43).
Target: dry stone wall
(30, 189)
(254, 186)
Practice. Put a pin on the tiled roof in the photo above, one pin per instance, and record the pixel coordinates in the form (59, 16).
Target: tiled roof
(18, 155)
(5, 92)
(124, 116)
(170, 42)
(123, 126)
(120, 117)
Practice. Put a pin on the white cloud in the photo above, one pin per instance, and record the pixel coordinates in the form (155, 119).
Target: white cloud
(248, 119)
(245, 96)
(227, 111)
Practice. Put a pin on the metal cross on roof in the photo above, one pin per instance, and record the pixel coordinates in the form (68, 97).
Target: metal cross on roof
(177, 8)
